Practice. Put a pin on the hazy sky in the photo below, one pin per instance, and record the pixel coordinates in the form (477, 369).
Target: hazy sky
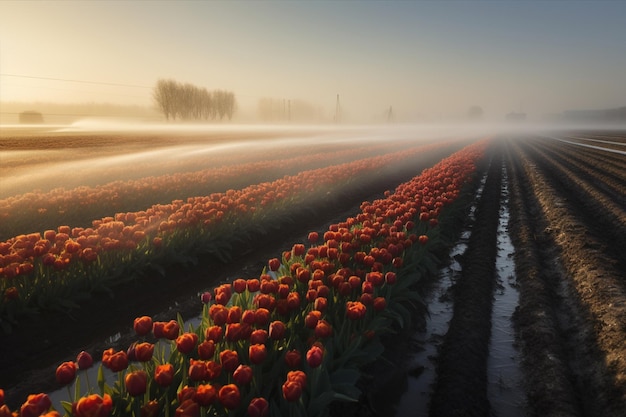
(425, 58)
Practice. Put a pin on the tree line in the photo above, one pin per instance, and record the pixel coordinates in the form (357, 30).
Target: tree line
(189, 102)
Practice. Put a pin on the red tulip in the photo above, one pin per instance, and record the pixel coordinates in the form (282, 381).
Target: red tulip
(277, 330)
(206, 349)
(188, 408)
(218, 314)
(313, 237)
(35, 405)
(150, 409)
(297, 376)
(243, 375)
(11, 293)
(94, 406)
(214, 333)
(292, 391)
(164, 374)
(186, 342)
(66, 372)
(214, 369)
(293, 359)
(229, 360)
(355, 310)
(323, 329)
(239, 285)
(315, 356)
(274, 264)
(311, 319)
(115, 361)
(253, 285)
(144, 351)
(379, 303)
(262, 316)
(229, 396)
(257, 353)
(84, 360)
(198, 370)
(259, 407)
(205, 395)
(136, 383)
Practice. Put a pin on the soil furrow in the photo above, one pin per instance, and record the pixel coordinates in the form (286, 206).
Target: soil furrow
(596, 298)
(461, 385)
(610, 178)
(548, 385)
(605, 218)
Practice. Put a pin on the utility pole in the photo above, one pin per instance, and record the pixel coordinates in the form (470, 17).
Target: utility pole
(289, 110)
(337, 111)
(390, 115)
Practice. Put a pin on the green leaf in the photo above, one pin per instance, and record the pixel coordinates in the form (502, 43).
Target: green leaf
(67, 407)
(343, 397)
(101, 379)
(320, 404)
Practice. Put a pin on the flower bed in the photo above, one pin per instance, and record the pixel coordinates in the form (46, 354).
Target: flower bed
(54, 269)
(292, 340)
(33, 211)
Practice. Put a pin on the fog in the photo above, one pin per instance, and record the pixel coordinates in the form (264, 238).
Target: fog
(147, 149)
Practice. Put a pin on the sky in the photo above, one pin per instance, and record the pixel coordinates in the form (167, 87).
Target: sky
(426, 60)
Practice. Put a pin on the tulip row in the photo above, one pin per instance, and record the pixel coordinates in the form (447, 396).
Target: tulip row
(291, 341)
(79, 206)
(52, 269)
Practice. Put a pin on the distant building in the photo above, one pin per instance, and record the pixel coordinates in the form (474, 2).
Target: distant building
(31, 117)
(602, 115)
(516, 117)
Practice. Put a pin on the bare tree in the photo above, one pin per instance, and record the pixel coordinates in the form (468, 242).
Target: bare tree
(188, 102)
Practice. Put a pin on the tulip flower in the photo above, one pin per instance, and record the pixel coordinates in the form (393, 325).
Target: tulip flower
(164, 374)
(94, 406)
(205, 395)
(186, 343)
(66, 373)
(292, 391)
(315, 356)
(243, 375)
(198, 370)
(229, 360)
(258, 407)
(136, 383)
(144, 351)
(229, 396)
(293, 359)
(188, 408)
(323, 329)
(35, 405)
(257, 353)
(84, 360)
(206, 349)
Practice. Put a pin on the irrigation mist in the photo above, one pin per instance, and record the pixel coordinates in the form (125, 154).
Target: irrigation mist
(115, 150)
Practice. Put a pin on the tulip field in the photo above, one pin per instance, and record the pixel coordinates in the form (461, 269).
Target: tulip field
(300, 334)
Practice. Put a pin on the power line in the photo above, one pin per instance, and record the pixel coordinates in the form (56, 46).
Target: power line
(73, 81)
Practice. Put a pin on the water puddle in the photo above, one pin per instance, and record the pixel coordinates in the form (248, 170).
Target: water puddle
(415, 401)
(504, 375)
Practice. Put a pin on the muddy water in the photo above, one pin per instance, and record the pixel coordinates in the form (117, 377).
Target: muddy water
(504, 390)
(505, 393)
(415, 401)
